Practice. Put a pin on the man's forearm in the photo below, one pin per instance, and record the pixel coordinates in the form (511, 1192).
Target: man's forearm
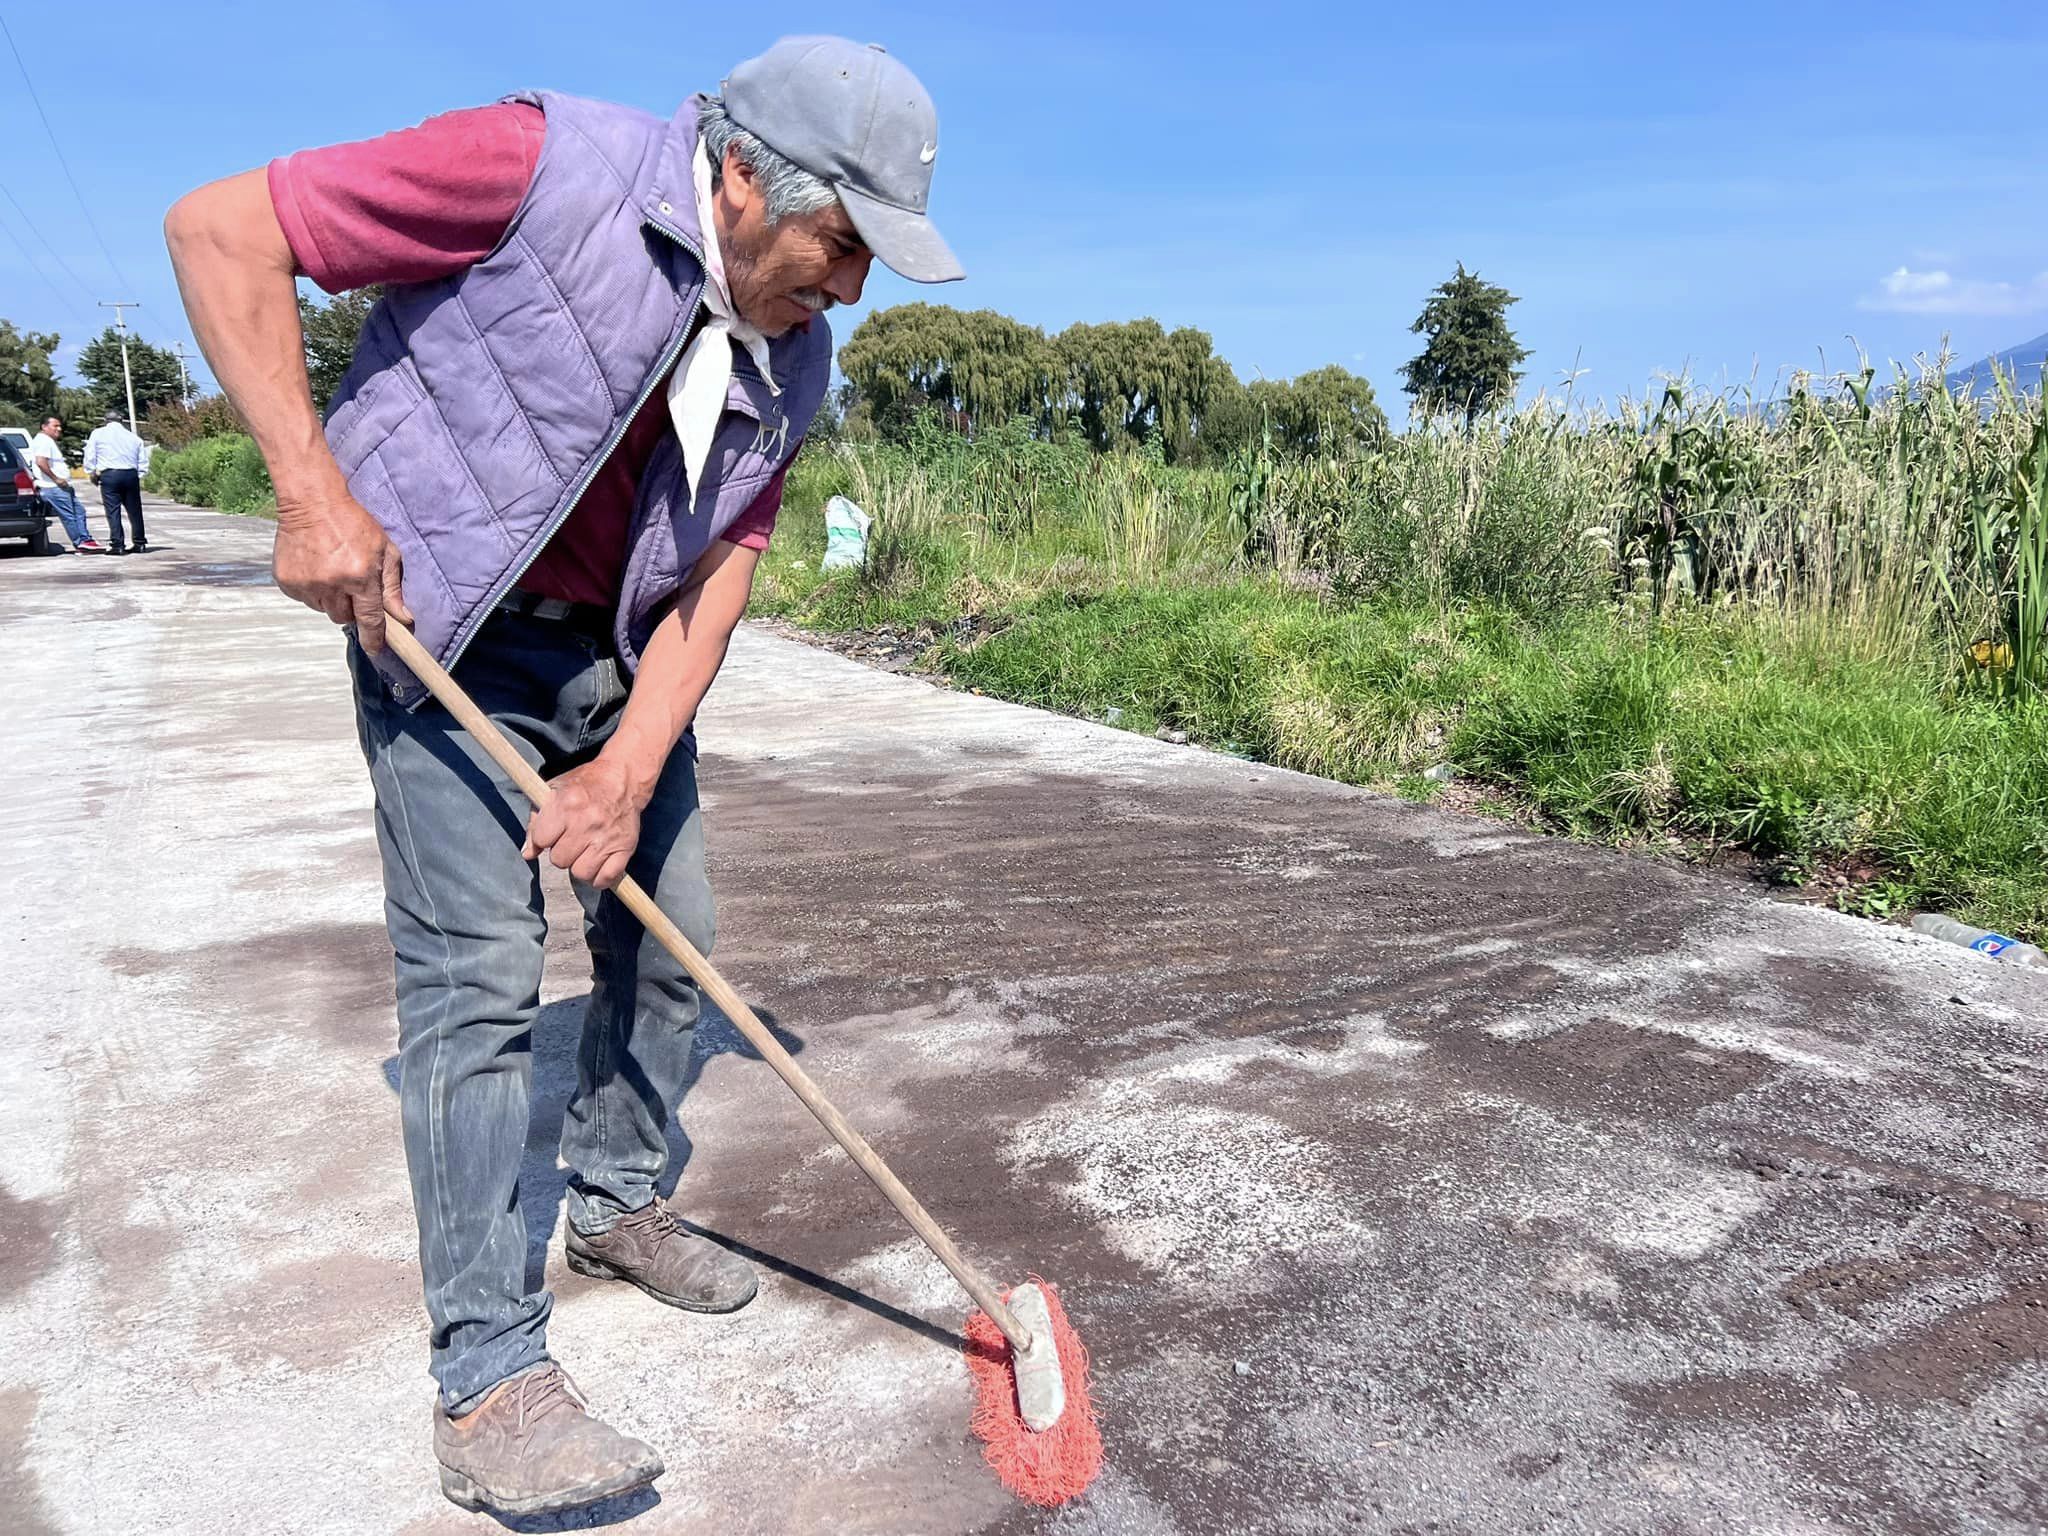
(235, 272)
(678, 665)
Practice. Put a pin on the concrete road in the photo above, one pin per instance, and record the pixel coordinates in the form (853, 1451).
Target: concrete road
(1404, 1173)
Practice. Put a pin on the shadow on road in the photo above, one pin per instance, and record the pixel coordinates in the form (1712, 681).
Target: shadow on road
(945, 1338)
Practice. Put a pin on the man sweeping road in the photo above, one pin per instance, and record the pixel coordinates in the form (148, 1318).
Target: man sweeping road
(557, 456)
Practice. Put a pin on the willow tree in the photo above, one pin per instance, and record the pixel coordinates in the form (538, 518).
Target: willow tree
(1226, 422)
(977, 366)
(1122, 383)
(1326, 411)
(1129, 380)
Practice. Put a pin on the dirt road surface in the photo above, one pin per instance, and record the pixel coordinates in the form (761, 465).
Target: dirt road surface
(1404, 1173)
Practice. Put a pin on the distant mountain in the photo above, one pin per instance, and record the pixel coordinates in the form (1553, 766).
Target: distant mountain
(2021, 364)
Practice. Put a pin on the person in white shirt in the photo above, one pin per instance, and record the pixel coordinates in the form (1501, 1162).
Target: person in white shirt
(116, 458)
(52, 476)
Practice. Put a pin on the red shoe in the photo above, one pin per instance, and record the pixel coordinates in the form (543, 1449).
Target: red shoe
(90, 547)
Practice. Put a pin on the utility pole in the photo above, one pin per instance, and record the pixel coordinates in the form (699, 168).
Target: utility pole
(184, 375)
(120, 310)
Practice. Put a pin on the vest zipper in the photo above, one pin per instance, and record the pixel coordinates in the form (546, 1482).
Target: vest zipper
(506, 583)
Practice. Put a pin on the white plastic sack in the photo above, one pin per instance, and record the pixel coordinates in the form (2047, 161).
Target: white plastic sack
(846, 535)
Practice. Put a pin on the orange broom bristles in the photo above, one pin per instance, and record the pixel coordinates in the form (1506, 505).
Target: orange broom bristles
(1045, 1468)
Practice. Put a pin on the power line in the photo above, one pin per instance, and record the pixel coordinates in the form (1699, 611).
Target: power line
(22, 65)
(37, 267)
(55, 291)
(83, 287)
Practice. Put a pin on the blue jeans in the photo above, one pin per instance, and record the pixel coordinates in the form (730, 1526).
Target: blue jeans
(467, 928)
(65, 504)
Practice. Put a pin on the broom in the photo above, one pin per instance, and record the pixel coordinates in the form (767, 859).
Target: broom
(1029, 1368)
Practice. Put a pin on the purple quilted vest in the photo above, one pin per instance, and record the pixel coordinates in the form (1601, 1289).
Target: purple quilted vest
(479, 406)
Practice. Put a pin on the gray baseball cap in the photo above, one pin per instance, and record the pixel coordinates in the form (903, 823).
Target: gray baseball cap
(852, 114)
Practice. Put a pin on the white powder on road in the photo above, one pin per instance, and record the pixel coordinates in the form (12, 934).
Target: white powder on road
(1191, 1188)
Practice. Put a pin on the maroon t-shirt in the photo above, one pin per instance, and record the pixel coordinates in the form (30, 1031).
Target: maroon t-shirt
(426, 202)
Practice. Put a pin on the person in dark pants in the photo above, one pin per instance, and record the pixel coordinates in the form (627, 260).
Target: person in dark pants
(114, 457)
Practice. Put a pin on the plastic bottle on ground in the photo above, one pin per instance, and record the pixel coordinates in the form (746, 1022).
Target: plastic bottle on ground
(1983, 940)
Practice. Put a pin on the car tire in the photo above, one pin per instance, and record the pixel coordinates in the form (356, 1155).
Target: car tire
(39, 542)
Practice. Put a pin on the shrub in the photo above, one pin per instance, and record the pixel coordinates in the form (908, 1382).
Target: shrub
(225, 472)
(172, 425)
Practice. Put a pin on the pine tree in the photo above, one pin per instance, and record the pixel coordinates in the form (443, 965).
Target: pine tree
(155, 371)
(1469, 361)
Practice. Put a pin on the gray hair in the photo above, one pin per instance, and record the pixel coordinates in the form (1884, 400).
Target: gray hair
(788, 188)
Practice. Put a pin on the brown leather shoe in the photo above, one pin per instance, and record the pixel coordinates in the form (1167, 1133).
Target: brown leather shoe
(651, 1249)
(531, 1448)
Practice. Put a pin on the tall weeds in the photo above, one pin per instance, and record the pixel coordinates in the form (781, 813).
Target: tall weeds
(1896, 522)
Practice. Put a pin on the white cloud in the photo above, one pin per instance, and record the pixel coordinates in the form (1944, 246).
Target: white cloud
(1940, 292)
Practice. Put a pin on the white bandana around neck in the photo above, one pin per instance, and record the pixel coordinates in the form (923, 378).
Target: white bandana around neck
(697, 388)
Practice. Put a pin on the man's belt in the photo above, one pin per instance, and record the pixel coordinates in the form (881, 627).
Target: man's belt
(589, 618)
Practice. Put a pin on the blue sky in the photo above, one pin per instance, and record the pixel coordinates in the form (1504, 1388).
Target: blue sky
(1727, 189)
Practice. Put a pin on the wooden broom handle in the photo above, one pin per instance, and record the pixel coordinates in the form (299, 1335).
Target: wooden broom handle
(641, 905)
